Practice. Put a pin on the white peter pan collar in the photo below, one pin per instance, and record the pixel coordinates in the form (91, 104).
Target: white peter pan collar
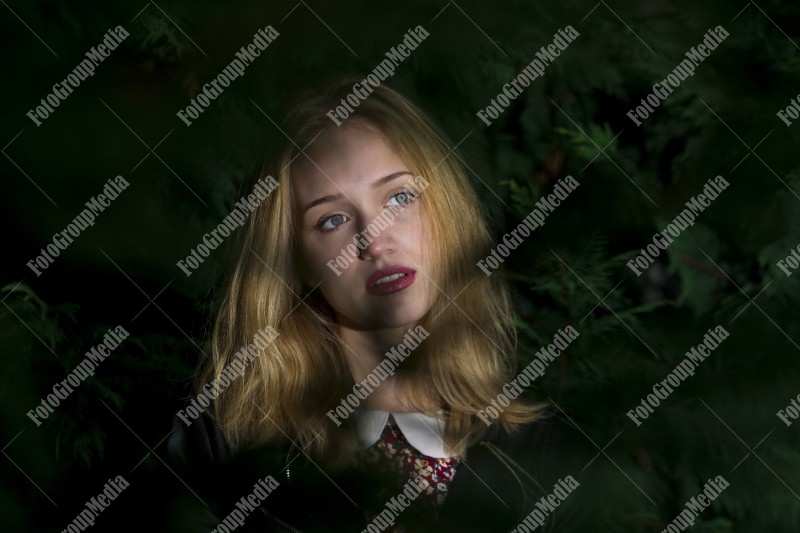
(423, 432)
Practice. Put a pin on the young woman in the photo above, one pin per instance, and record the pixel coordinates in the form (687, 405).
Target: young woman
(386, 342)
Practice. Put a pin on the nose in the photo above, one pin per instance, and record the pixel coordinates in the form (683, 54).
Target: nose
(377, 242)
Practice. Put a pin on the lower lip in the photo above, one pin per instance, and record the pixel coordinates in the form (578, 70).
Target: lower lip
(393, 286)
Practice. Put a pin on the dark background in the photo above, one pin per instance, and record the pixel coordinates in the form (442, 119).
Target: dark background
(721, 121)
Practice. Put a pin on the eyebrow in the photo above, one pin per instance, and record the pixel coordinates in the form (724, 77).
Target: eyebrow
(333, 197)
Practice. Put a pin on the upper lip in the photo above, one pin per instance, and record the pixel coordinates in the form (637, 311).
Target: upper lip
(388, 271)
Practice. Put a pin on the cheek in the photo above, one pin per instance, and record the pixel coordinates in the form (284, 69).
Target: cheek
(423, 246)
(418, 236)
(339, 291)
(321, 264)
(410, 225)
(312, 261)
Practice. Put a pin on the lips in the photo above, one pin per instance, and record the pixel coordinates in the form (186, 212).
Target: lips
(399, 278)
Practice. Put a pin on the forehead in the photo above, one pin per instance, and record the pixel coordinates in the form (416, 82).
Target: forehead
(344, 157)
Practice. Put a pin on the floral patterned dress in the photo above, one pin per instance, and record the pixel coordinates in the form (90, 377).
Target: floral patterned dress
(393, 457)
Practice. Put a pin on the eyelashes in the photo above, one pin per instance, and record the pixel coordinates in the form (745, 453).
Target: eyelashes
(323, 222)
(328, 223)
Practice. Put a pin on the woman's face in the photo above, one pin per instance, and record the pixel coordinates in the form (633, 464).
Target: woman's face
(353, 176)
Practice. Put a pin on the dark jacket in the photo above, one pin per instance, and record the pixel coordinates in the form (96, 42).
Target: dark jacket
(503, 479)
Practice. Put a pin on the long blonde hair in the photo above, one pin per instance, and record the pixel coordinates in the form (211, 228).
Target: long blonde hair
(286, 391)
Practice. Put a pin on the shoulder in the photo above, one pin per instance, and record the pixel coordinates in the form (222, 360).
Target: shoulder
(549, 443)
(560, 465)
(196, 446)
(218, 474)
(201, 448)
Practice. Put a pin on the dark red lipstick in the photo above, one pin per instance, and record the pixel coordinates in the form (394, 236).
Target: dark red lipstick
(404, 278)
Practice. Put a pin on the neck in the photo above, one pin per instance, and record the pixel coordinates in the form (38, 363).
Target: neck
(365, 350)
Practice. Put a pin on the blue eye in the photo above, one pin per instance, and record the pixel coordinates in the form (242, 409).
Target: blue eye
(404, 198)
(325, 223)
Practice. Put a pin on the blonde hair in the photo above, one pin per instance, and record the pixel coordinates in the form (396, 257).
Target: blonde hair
(286, 391)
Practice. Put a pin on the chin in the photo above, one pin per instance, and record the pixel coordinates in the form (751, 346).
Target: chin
(398, 318)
